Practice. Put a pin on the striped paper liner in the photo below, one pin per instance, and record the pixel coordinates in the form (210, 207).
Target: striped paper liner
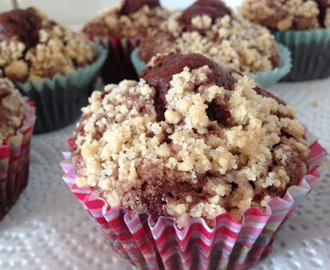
(229, 245)
(118, 65)
(14, 161)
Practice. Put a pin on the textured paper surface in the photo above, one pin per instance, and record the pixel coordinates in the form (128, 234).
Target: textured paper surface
(50, 230)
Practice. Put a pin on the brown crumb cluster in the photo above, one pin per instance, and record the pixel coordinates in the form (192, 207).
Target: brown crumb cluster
(230, 39)
(290, 14)
(112, 22)
(11, 109)
(56, 50)
(218, 149)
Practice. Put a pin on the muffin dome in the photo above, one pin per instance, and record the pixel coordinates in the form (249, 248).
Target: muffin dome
(34, 47)
(190, 139)
(11, 109)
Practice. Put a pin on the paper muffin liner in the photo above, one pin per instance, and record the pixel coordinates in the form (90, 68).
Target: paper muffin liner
(263, 78)
(14, 161)
(272, 76)
(118, 65)
(310, 53)
(58, 100)
(229, 245)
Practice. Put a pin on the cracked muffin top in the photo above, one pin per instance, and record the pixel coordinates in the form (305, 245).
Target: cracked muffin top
(212, 29)
(288, 14)
(129, 19)
(33, 46)
(11, 109)
(190, 139)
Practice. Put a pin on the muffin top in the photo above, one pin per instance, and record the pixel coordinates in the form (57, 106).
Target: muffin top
(212, 29)
(129, 19)
(34, 47)
(11, 109)
(190, 139)
(288, 15)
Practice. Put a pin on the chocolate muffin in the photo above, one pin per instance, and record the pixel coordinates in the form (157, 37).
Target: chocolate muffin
(35, 47)
(121, 28)
(212, 29)
(190, 139)
(129, 19)
(303, 27)
(286, 15)
(12, 109)
(17, 118)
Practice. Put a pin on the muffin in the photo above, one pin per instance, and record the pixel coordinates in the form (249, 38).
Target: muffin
(302, 26)
(44, 59)
(192, 150)
(212, 29)
(124, 25)
(16, 127)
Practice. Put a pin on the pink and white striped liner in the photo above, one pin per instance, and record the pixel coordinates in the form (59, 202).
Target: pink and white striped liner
(14, 161)
(229, 245)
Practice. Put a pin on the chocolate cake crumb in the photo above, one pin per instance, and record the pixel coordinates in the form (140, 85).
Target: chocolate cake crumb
(132, 6)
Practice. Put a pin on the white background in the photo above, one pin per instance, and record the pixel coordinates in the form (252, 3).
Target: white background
(76, 12)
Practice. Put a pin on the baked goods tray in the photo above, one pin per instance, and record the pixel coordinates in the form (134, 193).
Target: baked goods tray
(48, 228)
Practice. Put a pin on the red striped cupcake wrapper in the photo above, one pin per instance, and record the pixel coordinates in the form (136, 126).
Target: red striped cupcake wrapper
(14, 161)
(118, 65)
(229, 245)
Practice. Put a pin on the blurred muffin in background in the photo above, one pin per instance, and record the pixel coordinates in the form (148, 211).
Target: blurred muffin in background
(124, 26)
(212, 29)
(16, 127)
(48, 62)
(302, 26)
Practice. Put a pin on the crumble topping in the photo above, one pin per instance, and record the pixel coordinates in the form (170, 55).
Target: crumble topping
(54, 49)
(226, 38)
(11, 109)
(134, 22)
(222, 146)
(286, 15)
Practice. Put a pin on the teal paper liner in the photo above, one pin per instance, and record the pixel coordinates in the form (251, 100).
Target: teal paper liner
(265, 79)
(272, 76)
(58, 100)
(310, 53)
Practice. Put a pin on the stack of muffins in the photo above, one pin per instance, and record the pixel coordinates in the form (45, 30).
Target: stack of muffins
(186, 165)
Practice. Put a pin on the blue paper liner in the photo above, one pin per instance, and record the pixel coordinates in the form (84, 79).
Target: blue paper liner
(310, 53)
(58, 100)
